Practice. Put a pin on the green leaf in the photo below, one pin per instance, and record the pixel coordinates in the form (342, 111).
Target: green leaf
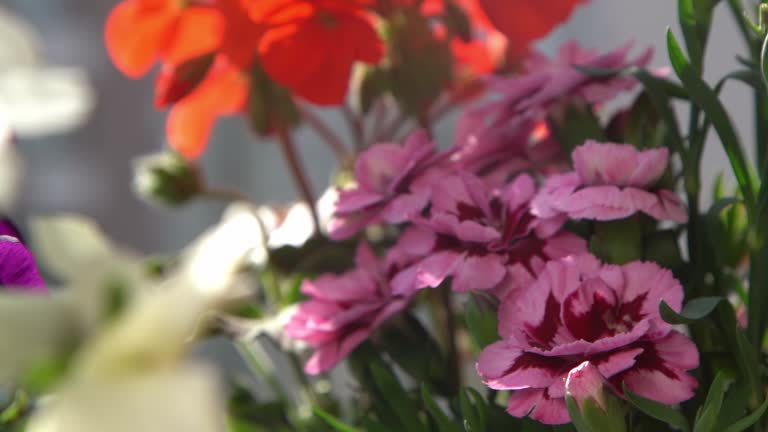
(444, 423)
(737, 343)
(734, 405)
(473, 409)
(687, 17)
(711, 408)
(578, 420)
(694, 310)
(657, 410)
(397, 398)
(481, 323)
(413, 348)
(481, 407)
(707, 100)
(749, 420)
(333, 422)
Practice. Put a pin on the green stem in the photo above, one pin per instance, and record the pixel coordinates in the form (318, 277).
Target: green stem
(448, 323)
(737, 10)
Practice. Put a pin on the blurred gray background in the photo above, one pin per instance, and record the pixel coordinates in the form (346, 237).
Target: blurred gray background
(88, 170)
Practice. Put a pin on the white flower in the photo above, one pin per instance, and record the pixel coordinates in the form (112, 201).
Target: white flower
(34, 98)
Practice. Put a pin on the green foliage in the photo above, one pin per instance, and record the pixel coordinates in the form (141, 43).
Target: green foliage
(481, 321)
(694, 310)
(657, 410)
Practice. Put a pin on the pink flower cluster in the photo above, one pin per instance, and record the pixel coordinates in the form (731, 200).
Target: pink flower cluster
(490, 214)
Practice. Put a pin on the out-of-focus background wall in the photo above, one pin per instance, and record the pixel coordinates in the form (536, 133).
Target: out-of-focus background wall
(89, 170)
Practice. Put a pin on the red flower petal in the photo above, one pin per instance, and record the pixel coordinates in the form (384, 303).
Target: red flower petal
(223, 91)
(523, 21)
(325, 44)
(198, 31)
(136, 33)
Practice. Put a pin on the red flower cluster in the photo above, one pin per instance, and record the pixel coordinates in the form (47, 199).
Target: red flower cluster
(222, 57)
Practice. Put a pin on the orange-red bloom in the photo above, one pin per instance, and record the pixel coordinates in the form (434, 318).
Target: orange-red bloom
(309, 46)
(138, 33)
(224, 91)
(524, 21)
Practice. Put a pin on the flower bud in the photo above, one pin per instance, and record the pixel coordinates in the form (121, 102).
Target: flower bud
(592, 408)
(167, 178)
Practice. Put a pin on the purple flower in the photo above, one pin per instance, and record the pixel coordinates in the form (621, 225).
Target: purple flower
(344, 310)
(507, 133)
(580, 310)
(18, 270)
(610, 181)
(484, 238)
(390, 186)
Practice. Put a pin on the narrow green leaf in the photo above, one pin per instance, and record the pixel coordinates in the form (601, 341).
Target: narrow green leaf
(333, 422)
(711, 408)
(736, 342)
(481, 406)
(749, 420)
(694, 310)
(472, 421)
(687, 17)
(657, 410)
(707, 100)
(481, 323)
(397, 398)
(444, 423)
(576, 418)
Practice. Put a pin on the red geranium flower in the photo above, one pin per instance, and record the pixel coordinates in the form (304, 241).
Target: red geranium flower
(309, 46)
(138, 33)
(524, 21)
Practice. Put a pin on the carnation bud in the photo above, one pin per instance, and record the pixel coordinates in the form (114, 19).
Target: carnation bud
(590, 406)
(167, 178)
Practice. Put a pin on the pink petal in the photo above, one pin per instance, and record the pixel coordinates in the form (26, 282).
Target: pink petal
(668, 206)
(353, 200)
(495, 359)
(538, 405)
(378, 166)
(479, 272)
(404, 207)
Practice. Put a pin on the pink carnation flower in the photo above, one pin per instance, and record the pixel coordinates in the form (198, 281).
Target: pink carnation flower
(344, 310)
(484, 238)
(610, 181)
(508, 132)
(387, 189)
(580, 310)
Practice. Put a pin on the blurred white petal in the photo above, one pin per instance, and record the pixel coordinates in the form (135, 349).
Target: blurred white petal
(295, 229)
(69, 245)
(219, 253)
(34, 328)
(44, 100)
(10, 168)
(182, 399)
(19, 44)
